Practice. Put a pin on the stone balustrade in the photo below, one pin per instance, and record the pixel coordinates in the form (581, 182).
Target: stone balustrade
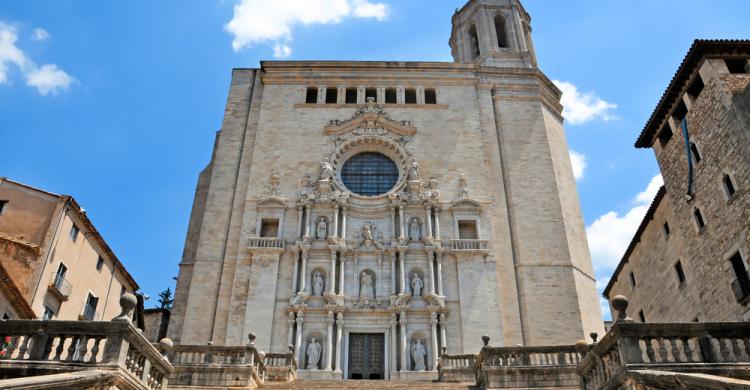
(457, 368)
(467, 245)
(217, 366)
(44, 347)
(266, 242)
(280, 367)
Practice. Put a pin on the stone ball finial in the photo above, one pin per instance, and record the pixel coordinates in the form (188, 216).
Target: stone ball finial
(128, 302)
(582, 346)
(251, 337)
(261, 355)
(594, 336)
(444, 349)
(620, 303)
(486, 340)
(166, 344)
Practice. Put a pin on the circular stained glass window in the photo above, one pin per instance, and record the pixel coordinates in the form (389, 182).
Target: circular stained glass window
(369, 174)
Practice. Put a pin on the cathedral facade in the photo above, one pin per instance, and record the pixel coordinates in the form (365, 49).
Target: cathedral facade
(370, 215)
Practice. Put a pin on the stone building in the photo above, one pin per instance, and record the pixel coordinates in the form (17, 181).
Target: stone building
(389, 210)
(54, 264)
(689, 258)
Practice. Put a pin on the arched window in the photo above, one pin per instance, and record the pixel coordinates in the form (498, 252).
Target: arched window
(369, 174)
(474, 42)
(502, 37)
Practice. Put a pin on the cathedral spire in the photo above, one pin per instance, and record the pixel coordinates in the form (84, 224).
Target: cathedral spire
(493, 33)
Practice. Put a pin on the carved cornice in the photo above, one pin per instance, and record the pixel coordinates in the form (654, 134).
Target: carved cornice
(370, 119)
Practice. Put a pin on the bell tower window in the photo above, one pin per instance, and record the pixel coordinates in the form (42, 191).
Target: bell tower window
(502, 37)
(474, 42)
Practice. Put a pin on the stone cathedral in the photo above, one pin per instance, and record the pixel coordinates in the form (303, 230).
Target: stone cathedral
(370, 215)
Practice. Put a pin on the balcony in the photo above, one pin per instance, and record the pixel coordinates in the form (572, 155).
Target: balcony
(741, 288)
(467, 246)
(60, 287)
(266, 243)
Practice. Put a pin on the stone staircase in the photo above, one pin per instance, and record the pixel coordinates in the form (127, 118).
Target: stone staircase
(365, 384)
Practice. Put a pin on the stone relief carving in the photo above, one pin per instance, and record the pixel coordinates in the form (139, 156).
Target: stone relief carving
(369, 237)
(463, 187)
(326, 170)
(414, 170)
(272, 190)
(418, 353)
(415, 229)
(313, 354)
(318, 284)
(366, 286)
(416, 285)
(418, 191)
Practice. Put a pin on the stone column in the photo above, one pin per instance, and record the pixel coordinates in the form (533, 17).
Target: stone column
(393, 272)
(343, 223)
(303, 274)
(404, 348)
(393, 221)
(307, 221)
(401, 261)
(437, 222)
(341, 275)
(401, 222)
(430, 261)
(394, 343)
(298, 341)
(335, 232)
(295, 275)
(299, 221)
(332, 276)
(428, 221)
(339, 330)
(440, 273)
(290, 323)
(329, 342)
(443, 323)
(433, 328)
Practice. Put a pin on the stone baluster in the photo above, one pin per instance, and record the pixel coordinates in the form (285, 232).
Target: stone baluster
(329, 342)
(298, 341)
(401, 261)
(433, 329)
(299, 221)
(441, 257)
(341, 274)
(290, 324)
(339, 330)
(428, 221)
(343, 223)
(437, 222)
(401, 235)
(404, 348)
(307, 221)
(295, 275)
(675, 350)
(394, 342)
(686, 348)
(431, 267)
(303, 274)
(332, 276)
(335, 230)
(443, 323)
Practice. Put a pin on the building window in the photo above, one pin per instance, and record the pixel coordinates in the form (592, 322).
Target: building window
(99, 263)
(632, 279)
(699, 218)
(351, 96)
(430, 97)
(474, 42)
(741, 285)
(74, 233)
(62, 270)
(311, 96)
(410, 96)
(665, 135)
(502, 40)
(642, 316)
(391, 96)
(332, 95)
(737, 66)
(369, 174)
(371, 93)
(48, 313)
(680, 272)
(89, 309)
(728, 186)
(696, 87)
(3, 203)
(467, 230)
(269, 227)
(667, 230)
(696, 154)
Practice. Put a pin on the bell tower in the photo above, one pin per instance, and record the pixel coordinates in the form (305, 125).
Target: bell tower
(493, 33)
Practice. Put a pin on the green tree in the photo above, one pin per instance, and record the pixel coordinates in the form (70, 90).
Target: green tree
(165, 299)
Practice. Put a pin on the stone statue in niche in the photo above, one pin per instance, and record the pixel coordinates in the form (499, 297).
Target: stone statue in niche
(416, 285)
(367, 232)
(414, 171)
(313, 354)
(415, 232)
(321, 230)
(326, 170)
(317, 283)
(366, 289)
(418, 353)
(463, 187)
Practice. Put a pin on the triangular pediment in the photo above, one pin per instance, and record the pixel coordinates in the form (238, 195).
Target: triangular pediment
(370, 117)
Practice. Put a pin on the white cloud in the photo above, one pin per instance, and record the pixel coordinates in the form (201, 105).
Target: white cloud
(46, 79)
(281, 51)
(581, 107)
(610, 234)
(40, 34)
(257, 21)
(578, 161)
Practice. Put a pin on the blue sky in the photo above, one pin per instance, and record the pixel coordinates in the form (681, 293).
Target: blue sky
(117, 103)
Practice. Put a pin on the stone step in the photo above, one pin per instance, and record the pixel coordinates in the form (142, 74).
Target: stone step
(365, 384)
